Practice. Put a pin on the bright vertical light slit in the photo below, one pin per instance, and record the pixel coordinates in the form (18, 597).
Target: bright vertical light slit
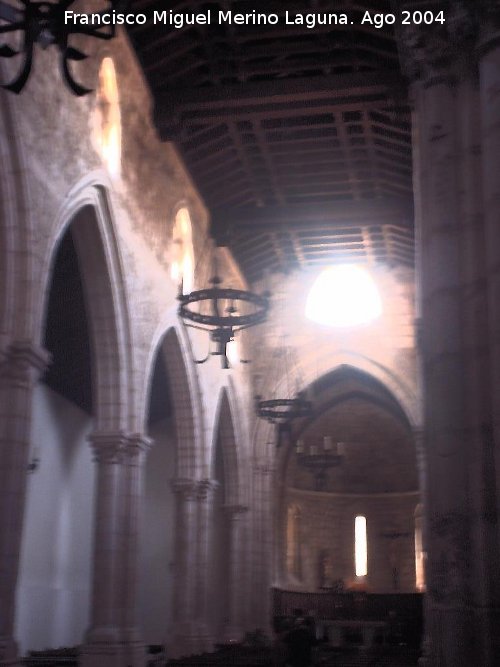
(419, 553)
(360, 546)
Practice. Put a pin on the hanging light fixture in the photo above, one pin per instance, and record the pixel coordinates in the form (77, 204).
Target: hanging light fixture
(44, 23)
(318, 459)
(282, 411)
(223, 312)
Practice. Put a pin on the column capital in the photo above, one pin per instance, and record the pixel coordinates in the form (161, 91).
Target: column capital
(235, 511)
(441, 52)
(206, 487)
(108, 447)
(264, 469)
(24, 362)
(136, 445)
(490, 31)
(185, 489)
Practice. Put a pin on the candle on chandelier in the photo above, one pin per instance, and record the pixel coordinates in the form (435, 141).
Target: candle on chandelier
(327, 443)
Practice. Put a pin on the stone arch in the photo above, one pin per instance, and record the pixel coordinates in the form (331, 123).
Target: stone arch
(185, 398)
(225, 435)
(88, 214)
(398, 409)
(228, 545)
(331, 395)
(306, 370)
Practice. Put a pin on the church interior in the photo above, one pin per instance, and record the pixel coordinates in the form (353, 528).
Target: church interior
(250, 334)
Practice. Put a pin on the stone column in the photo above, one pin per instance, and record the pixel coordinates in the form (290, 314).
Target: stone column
(234, 630)
(102, 646)
(133, 649)
(489, 482)
(262, 540)
(21, 366)
(206, 489)
(457, 144)
(448, 525)
(186, 631)
(437, 68)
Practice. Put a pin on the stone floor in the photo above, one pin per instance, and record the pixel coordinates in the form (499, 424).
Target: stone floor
(243, 657)
(354, 657)
(367, 658)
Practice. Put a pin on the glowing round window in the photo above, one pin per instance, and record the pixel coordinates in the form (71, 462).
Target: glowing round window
(343, 296)
(107, 131)
(182, 268)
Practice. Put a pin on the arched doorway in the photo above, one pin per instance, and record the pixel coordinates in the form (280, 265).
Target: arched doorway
(66, 553)
(54, 588)
(227, 554)
(171, 426)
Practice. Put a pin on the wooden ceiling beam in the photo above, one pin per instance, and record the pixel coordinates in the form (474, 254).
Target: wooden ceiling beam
(268, 110)
(393, 211)
(359, 84)
(176, 105)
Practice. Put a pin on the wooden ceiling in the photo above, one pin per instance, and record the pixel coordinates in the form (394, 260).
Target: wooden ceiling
(297, 138)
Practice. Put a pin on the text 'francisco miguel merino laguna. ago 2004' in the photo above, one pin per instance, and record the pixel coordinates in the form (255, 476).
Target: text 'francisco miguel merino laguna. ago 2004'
(180, 20)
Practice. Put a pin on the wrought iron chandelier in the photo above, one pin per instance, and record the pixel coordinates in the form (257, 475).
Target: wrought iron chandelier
(283, 410)
(44, 23)
(318, 459)
(292, 405)
(223, 312)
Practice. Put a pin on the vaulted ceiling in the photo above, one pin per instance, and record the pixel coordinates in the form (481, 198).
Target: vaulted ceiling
(297, 138)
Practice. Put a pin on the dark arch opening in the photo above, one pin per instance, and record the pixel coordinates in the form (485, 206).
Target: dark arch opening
(54, 588)
(66, 330)
(157, 571)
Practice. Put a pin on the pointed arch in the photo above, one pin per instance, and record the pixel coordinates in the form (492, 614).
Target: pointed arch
(88, 216)
(225, 438)
(187, 412)
(306, 369)
(342, 384)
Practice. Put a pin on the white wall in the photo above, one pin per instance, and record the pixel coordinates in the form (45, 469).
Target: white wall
(54, 580)
(157, 536)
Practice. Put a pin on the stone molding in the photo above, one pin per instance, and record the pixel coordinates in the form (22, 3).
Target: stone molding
(24, 362)
(185, 489)
(264, 469)
(119, 447)
(206, 488)
(235, 511)
(136, 446)
(109, 448)
(436, 52)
